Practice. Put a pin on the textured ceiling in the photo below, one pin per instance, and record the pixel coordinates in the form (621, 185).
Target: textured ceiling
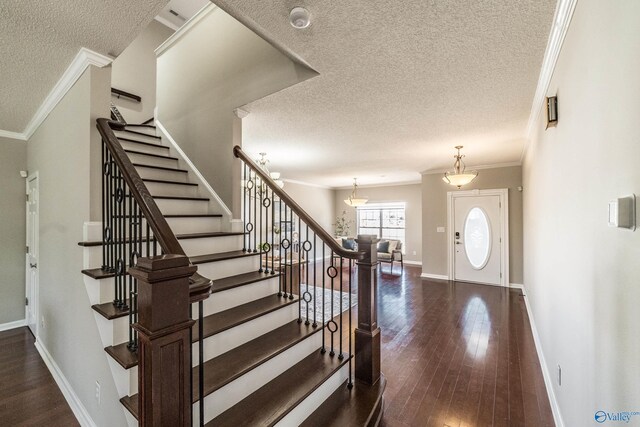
(39, 39)
(401, 83)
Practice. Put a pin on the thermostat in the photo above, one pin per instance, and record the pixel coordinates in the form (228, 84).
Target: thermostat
(622, 212)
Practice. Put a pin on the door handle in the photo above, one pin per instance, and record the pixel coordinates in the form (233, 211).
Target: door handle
(33, 265)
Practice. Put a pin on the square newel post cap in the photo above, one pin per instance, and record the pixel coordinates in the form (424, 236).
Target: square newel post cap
(162, 268)
(367, 243)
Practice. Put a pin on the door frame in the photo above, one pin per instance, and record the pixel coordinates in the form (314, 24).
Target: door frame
(503, 194)
(33, 299)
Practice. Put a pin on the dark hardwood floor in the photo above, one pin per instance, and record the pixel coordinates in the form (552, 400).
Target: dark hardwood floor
(457, 355)
(28, 394)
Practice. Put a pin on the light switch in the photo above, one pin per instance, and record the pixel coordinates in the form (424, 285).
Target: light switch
(622, 212)
(440, 229)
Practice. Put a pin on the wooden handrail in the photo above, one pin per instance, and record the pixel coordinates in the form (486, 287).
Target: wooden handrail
(313, 225)
(200, 286)
(119, 93)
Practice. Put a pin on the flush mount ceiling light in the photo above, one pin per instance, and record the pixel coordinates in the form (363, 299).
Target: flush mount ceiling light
(299, 17)
(353, 199)
(460, 176)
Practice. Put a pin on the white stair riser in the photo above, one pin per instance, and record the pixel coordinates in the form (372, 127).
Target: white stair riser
(164, 189)
(133, 380)
(227, 396)
(224, 341)
(127, 145)
(182, 207)
(229, 267)
(137, 137)
(211, 245)
(230, 298)
(302, 411)
(195, 225)
(164, 162)
(166, 175)
(143, 129)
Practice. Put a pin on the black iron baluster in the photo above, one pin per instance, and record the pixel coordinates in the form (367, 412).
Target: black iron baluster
(201, 361)
(284, 268)
(120, 239)
(104, 207)
(315, 281)
(249, 224)
(341, 334)
(331, 324)
(255, 213)
(324, 274)
(244, 210)
(307, 248)
(112, 232)
(350, 383)
(290, 261)
(259, 221)
(299, 273)
(281, 238)
(273, 235)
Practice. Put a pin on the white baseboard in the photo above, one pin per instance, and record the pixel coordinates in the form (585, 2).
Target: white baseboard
(434, 276)
(408, 262)
(13, 325)
(555, 408)
(72, 398)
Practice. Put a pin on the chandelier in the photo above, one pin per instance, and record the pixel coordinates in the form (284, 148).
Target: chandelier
(460, 176)
(353, 199)
(263, 162)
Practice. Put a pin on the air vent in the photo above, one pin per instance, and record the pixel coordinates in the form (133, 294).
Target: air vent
(173, 12)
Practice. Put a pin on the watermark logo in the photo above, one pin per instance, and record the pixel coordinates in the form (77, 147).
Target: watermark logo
(620, 417)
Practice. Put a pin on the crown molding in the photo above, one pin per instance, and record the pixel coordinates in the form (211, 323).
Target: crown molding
(167, 23)
(383, 184)
(186, 28)
(479, 167)
(561, 21)
(308, 184)
(83, 59)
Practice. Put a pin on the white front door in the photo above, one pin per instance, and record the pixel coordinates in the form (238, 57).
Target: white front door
(477, 238)
(32, 253)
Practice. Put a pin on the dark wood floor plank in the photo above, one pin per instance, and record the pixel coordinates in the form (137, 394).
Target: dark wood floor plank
(29, 396)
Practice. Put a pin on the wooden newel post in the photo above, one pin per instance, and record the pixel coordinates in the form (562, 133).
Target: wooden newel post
(367, 334)
(164, 365)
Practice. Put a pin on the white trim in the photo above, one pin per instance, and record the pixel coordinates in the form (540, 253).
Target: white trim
(384, 184)
(480, 167)
(517, 286)
(433, 276)
(167, 23)
(308, 184)
(186, 27)
(71, 397)
(12, 325)
(561, 21)
(12, 135)
(193, 168)
(555, 408)
(503, 194)
(409, 262)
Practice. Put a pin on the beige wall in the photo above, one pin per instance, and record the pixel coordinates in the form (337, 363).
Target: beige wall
(198, 111)
(409, 194)
(60, 151)
(134, 71)
(582, 277)
(13, 159)
(434, 215)
(316, 201)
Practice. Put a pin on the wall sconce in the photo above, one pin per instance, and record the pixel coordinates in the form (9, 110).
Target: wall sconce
(552, 111)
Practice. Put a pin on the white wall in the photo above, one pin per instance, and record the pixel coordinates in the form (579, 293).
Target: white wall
(208, 71)
(61, 152)
(316, 201)
(13, 159)
(134, 71)
(409, 194)
(582, 277)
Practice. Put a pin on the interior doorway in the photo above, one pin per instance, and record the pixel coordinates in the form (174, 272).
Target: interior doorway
(32, 276)
(478, 236)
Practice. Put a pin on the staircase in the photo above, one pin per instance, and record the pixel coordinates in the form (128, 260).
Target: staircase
(264, 358)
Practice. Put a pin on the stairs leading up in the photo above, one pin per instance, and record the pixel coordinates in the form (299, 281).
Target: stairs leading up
(262, 366)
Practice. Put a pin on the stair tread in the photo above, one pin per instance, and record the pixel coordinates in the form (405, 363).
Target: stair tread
(348, 407)
(110, 311)
(220, 256)
(136, 141)
(131, 403)
(230, 282)
(98, 273)
(213, 324)
(181, 198)
(270, 403)
(231, 365)
(140, 133)
(141, 153)
(143, 125)
(166, 181)
(227, 319)
(141, 165)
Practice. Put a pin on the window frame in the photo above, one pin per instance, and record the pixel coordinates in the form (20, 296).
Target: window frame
(380, 207)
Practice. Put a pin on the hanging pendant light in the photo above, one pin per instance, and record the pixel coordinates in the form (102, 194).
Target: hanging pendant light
(353, 199)
(263, 162)
(460, 176)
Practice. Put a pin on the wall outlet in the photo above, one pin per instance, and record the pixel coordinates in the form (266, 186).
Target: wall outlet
(414, 252)
(440, 229)
(559, 375)
(98, 392)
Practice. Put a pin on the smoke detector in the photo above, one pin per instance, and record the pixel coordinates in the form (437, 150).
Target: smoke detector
(299, 17)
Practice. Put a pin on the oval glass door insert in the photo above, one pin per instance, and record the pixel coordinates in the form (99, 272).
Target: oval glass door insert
(477, 238)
